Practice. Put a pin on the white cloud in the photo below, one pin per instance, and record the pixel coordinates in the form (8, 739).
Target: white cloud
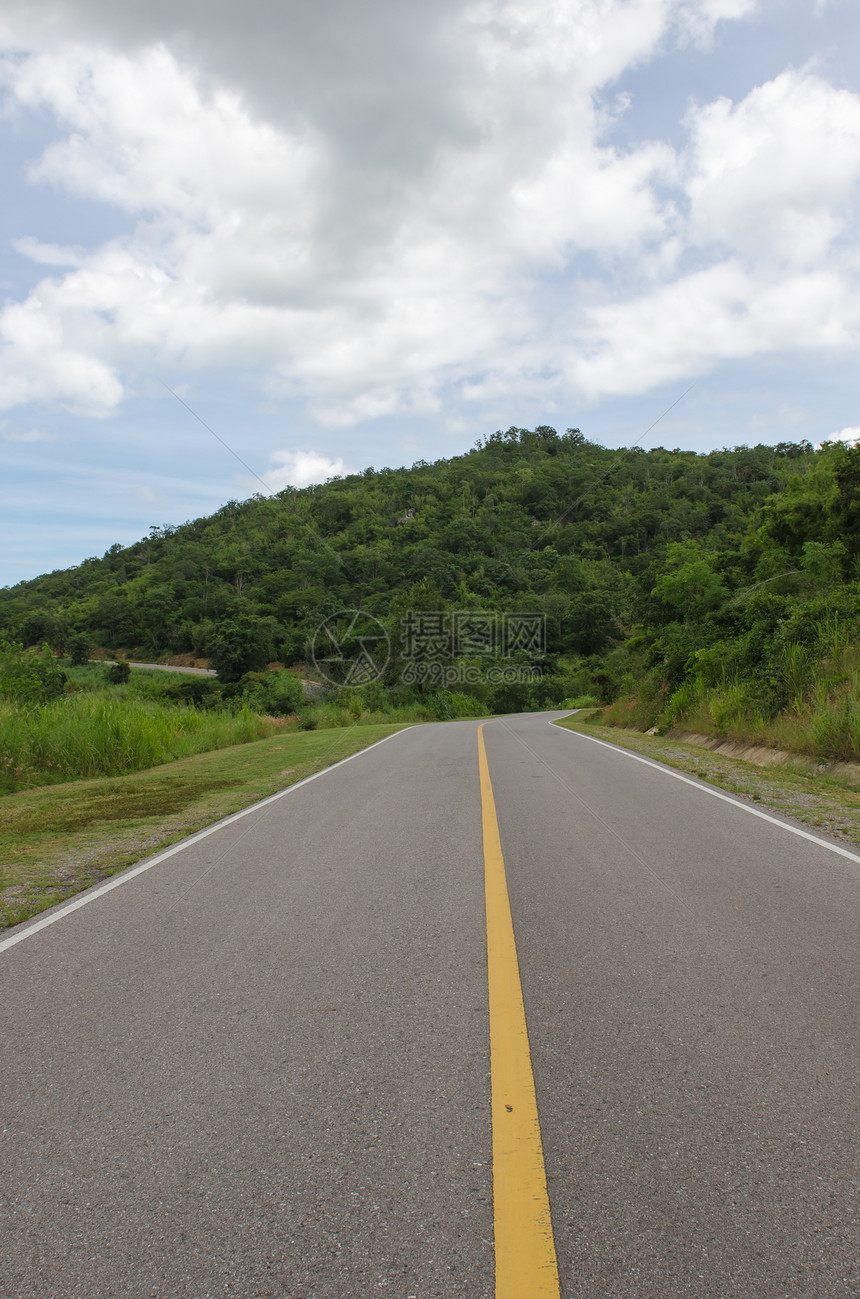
(849, 435)
(28, 436)
(245, 249)
(379, 207)
(48, 254)
(700, 21)
(772, 184)
(722, 313)
(775, 175)
(302, 468)
(49, 351)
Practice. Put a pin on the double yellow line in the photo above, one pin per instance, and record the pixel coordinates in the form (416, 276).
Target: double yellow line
(526, 1265)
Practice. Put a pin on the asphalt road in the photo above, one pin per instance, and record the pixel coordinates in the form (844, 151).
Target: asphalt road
(262, 1067)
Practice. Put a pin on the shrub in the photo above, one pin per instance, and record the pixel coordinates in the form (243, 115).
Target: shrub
(78, 649)
(243, 644)
(203, 692)
(836, 729)
(29, 676)
(279, 693)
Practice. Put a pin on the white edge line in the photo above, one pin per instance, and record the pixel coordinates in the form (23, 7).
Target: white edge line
(123, 877)
(714, 793)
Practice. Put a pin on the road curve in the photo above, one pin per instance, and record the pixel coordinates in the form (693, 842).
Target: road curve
(262, 1067)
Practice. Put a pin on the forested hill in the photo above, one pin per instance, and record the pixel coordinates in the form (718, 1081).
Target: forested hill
(643, 561)
(526, 520)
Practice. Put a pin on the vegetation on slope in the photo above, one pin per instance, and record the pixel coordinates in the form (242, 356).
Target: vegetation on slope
(760, 641)
(528, 520)
(718, 591)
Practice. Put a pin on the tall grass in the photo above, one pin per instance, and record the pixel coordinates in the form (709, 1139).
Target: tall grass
(113, 731)
(640, 705)
(818, 686)
(102, 735)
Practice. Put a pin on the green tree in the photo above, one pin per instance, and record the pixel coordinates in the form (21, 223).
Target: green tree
(243, 644)
(688, 583)
(78, 649)
(29, 676)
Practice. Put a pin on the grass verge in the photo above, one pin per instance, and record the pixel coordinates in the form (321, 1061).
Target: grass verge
(830, 803)
(59, 839)
(100, 735)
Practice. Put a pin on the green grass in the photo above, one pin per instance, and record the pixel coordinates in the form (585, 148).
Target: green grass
(60, 839)
(95, 729)
(350, 709)
(822, 719)
(149, 682)
(807, 701)
(105, 734)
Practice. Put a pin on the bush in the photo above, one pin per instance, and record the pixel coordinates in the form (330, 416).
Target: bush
(514, 697)
(29, 676)
(278, 693)
(242, 645)
(202, 692)
(641, 710)
(78, 649)
(354, 705)
(835, 728)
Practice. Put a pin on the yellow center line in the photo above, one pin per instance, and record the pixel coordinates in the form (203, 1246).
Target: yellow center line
(525, 1252)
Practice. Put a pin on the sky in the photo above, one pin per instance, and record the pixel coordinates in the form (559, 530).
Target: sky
(243, 246)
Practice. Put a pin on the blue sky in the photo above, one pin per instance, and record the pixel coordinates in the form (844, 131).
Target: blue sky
(369, 232)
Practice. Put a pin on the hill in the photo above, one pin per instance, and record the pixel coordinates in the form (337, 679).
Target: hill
(657, 571)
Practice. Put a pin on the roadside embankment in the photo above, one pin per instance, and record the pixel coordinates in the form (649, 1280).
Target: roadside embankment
(762, 756)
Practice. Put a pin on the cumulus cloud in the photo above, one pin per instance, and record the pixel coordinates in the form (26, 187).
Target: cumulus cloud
(302, 469)
(379, 206)
(721, 313)
(775, 175)
(769, 187)
(849, 435)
